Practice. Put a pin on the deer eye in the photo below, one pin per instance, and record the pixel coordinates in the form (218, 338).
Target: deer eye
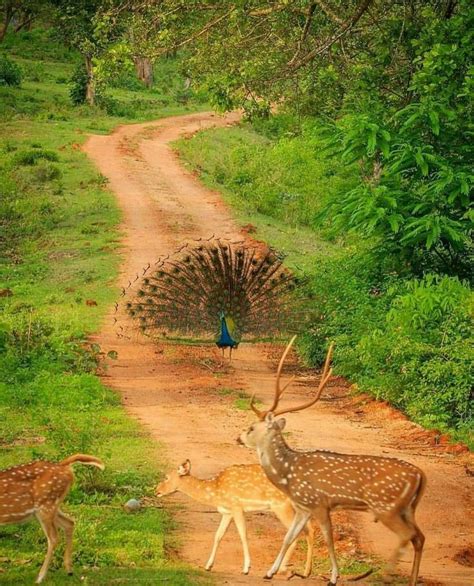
(167, 477)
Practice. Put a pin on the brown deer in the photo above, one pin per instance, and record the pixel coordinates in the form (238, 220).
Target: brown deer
(319, 481)
(235, 491)
(37, 490)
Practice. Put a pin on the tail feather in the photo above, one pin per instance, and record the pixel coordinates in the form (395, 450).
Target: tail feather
(83, 459)
(188, 293)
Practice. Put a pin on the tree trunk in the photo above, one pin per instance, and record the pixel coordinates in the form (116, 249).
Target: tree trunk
(90, 87)
(9, 12)
(144, 69)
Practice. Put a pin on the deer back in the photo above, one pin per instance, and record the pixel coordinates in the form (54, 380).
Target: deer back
(28, 487)
(331, 479)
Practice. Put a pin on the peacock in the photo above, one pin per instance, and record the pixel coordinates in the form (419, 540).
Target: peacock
(220, 289)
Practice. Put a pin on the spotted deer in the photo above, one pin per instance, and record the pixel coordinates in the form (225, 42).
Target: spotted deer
(319, 481)
(37, 490)
(235, 491)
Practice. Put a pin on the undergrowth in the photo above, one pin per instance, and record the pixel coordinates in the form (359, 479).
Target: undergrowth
(59, 251)
(404, 338)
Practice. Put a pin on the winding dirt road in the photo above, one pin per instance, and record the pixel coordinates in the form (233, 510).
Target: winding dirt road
(185, 395)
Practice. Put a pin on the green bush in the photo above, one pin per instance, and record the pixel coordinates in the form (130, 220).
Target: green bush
(45, 171)
(78, 82)
(422, 358)
(408, 342)
(32, 156)
(10, 73)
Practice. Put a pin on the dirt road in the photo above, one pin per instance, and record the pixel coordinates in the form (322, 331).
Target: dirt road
(186, 396)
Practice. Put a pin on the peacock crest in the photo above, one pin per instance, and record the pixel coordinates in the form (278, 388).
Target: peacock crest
(218, 289)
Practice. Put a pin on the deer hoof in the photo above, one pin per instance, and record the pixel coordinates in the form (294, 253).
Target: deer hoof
(268, 577)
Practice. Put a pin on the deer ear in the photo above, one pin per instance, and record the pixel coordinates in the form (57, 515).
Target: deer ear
(185, 468)
(280, 423)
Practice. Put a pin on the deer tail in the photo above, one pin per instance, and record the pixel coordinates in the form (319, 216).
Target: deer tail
(83, 459)
(420, 490)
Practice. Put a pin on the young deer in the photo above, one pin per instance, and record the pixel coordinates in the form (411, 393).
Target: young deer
(236, 490)
(38, 489)
(319, 481)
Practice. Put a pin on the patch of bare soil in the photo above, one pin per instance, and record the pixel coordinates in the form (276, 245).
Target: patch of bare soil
(181, 394)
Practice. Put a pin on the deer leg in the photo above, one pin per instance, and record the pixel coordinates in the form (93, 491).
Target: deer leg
(406, 530)
(418, 541)
(299, 521)
(286, 514)
(47, 523)
(67, 525)
(239, 519)
(310, 545)
(223, 526)
(324, 520)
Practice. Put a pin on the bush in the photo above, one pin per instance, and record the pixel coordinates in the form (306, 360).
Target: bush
(32, 156)
(78, 82)
(46, 171)
(10, 73)
(422, 358)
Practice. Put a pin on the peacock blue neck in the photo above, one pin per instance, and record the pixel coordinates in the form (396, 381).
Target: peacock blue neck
(225, 339)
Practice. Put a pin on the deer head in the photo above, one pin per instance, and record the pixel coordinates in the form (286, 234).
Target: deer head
(171, 482)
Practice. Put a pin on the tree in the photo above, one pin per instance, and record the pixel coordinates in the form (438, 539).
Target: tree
(86, 25)
(21, 13)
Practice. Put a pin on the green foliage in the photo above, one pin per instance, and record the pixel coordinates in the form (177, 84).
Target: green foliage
(31, 156)
(283, 178)
(10, 73)
(416, 159)
(78, 81)
(57, 249)
(422, 357)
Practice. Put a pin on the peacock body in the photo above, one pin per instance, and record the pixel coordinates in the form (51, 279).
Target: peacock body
(217, 289)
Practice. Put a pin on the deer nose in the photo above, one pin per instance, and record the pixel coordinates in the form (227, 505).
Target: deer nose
(239, 441)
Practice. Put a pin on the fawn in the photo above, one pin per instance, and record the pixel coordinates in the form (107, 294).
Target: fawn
(234, 491)
(38, 489)
(319, 481)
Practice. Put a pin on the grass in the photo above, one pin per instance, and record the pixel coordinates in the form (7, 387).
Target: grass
(59, 256)
(277, 187)
(212, 154)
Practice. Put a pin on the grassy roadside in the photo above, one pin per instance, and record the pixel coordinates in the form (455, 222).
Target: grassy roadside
(401, 337)
(60, 251)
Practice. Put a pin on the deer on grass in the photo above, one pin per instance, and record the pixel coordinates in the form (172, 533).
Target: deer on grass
(319, 481)
(235, 491)
(37, 490)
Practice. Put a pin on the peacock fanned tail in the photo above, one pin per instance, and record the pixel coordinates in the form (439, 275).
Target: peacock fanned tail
(218, 289)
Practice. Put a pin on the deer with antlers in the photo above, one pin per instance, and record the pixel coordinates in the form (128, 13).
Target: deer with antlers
(319, 481)
(37, 490)
(234, 491)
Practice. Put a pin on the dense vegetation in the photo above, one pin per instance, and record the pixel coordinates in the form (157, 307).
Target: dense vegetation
(363, 175)
(370, 153)
(58, 248)
(405, 338)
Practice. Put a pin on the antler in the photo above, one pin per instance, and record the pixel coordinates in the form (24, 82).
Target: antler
(326, 375)
(278, 391)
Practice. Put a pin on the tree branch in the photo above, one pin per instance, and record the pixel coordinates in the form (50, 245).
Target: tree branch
(348, 24)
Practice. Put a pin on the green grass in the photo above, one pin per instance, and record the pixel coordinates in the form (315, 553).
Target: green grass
(60, 248)
(277, 180)
(213, 154)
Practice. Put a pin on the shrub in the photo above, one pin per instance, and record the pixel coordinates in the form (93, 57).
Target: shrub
(78, 82)
(46, 171)
(422, 358)
(10, 73)
(31, 156)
